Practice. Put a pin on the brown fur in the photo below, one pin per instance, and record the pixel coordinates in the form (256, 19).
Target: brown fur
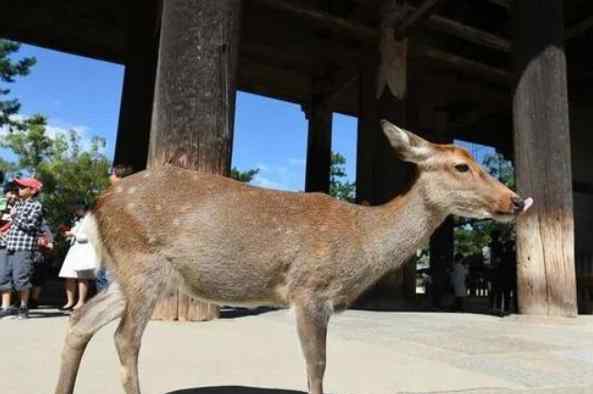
(226, 242)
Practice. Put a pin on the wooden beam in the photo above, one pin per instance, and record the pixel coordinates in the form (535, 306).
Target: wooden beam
(417, 16)
(342, 80)
(465, 64)
(371, 36)
(329, 21)
(468, 33)
(578, 28)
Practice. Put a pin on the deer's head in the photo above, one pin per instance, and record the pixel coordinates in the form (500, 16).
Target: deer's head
(452, 181)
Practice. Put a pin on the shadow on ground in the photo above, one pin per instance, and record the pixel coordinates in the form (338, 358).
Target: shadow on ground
(234, 390)
(227, 312)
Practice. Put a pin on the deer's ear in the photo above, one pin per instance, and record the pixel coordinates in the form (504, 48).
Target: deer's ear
(409, 146)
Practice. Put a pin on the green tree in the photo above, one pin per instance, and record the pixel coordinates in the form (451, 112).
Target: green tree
(9, 70)
(500, 168)
(243, 176)
(70, 172)
(30, 144)
(339, 188)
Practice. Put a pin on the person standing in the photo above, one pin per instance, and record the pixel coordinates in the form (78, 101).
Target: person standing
(80, 263)
(21, 241)
(41, 263)
(458, 277)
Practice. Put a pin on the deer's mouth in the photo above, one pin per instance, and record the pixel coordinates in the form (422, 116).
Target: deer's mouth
(501, 216)
(518, 209)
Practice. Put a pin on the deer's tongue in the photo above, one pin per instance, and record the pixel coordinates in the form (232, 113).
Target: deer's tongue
(527, 203)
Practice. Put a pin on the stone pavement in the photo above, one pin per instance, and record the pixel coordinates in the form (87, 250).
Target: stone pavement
(368, 353)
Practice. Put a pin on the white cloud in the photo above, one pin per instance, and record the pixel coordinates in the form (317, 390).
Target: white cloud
(262, 181)
(287, 175)
(262, 167)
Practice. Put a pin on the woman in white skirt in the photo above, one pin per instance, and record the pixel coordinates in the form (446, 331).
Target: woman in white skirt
(79, 265)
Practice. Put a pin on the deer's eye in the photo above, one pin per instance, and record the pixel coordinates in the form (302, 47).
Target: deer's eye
(462, 167)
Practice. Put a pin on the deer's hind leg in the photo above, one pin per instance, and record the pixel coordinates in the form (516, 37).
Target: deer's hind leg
(142, 296)
(84, 322)
(312, 319)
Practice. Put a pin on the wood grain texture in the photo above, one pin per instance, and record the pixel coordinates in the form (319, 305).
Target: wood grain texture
(194, 104)
(545, 236)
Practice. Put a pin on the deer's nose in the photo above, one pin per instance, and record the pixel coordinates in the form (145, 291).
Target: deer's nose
(518, 204)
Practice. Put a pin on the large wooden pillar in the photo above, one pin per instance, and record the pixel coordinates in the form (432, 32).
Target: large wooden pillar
(368, 134)
(545, 235)
(135, 113)
(380, 175)
(318, 147)
(194, 103)
(442, 241)
(441, 259)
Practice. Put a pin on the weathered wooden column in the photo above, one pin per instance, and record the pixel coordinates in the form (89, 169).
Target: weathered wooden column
(545, 235)
(368, 132)
(441, 259)
(135, 113)
(318, 147)
(381, 176)
(194, 104)
(442, 241)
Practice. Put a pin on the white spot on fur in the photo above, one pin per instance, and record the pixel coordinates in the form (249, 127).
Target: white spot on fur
(132, 190)
(147, 174)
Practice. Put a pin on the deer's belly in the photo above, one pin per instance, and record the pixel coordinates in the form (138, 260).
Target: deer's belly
(233, 282)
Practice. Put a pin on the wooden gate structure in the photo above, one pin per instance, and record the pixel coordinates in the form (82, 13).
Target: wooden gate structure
(510, 74)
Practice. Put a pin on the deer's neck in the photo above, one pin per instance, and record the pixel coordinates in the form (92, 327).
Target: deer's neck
(400, 227)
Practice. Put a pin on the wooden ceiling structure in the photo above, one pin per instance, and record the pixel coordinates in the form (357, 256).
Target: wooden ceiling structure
(294, 49)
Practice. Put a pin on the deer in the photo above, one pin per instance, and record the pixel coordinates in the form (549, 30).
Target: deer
(225, 242)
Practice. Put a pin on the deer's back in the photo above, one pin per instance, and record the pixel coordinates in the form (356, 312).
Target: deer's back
(228, 240)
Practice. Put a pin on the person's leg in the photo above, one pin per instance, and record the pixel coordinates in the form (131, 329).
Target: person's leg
(70, 286)
(83, 289)
(24, 295)
(5, 284)
(6, 299)
(37, 279)
(22, 270)
(35, 295)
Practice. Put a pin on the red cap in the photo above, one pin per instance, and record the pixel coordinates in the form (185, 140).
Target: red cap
(29, 182)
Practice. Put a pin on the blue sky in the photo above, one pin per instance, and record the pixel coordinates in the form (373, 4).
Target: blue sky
(84, 94)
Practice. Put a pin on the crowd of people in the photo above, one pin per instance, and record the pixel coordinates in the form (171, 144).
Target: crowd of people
(27, 249)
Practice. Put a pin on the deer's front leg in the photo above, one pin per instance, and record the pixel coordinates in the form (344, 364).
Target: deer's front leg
(312, 328)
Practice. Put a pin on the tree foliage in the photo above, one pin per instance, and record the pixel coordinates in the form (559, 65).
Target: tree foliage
(244, 176)
(338, 187)
(9, 70)
(70, 173)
